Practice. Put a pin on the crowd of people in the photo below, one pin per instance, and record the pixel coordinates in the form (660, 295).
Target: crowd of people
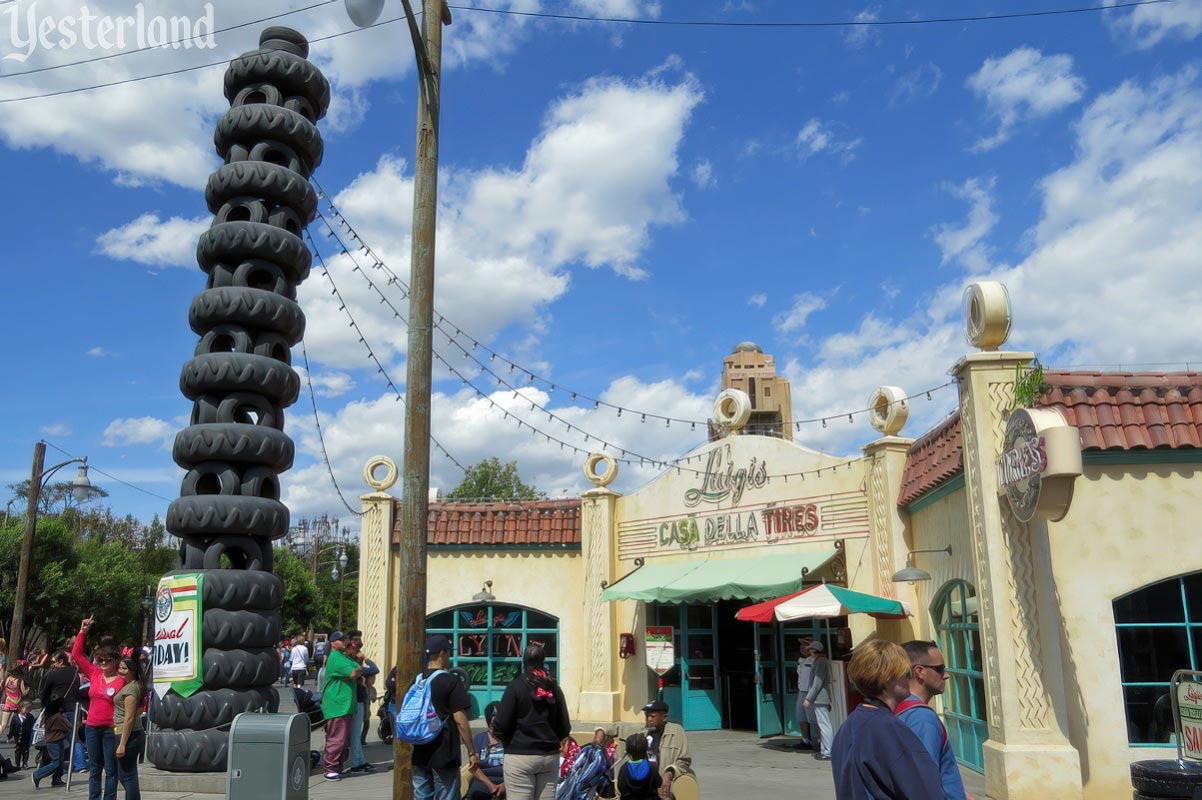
(90, 711)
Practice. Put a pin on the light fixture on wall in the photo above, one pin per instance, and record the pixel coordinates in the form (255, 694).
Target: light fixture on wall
(485, 594)
(912, 573)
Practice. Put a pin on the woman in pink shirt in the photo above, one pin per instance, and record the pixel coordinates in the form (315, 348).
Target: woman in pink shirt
(98, 730)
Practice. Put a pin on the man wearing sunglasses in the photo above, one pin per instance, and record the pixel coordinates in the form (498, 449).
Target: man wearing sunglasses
(928, 677)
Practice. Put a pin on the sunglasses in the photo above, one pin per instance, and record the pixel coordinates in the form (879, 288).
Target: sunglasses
(105, 660)
(940, 668)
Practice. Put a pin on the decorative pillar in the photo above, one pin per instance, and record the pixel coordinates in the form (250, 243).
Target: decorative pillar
(1028, 754)
(377, 566)
(240, 380)
(600, 698)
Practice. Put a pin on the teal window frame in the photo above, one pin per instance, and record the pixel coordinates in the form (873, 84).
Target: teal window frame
(1190, 624)
(955, 640)
(485, 692)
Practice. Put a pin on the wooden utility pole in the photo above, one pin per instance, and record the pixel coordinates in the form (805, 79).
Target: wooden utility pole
(31, 521)
(411, 616)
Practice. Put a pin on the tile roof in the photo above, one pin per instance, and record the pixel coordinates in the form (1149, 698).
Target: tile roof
(1112, 411)
(547, 523)
(931, 460)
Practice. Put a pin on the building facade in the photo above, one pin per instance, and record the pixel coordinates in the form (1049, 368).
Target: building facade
(1060, 632)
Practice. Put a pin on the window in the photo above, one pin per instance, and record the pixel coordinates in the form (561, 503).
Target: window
(1159, 631)
(958, 634)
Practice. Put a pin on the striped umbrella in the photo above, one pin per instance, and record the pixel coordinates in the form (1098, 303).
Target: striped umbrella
(824, 602)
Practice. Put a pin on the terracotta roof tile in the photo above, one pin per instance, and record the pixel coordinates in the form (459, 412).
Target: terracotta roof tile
(538, 522)
(1112, 411)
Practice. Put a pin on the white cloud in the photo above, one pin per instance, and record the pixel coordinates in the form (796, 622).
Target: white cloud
(327, 384)
(758, 300)
(98, 352)
(965, 243)
(136, 430)
(1021, 86)
(155, 242)
(862, 35)
(703, 174)
(1150, 25)
(817, 137)
(56, 429)
(593, 184)
(916, 84)
(794, 319)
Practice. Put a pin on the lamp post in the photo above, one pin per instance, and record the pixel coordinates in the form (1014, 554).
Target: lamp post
(339, 574)
(411, 619)
(81, 489)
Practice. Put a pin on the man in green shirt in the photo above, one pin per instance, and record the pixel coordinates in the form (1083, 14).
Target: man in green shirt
(338, 698)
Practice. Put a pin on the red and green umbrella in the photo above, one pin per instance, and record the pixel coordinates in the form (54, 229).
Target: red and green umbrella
(824, 602)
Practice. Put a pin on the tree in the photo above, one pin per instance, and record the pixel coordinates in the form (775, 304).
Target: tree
(490, 480)
(300, 593)
(55, 498)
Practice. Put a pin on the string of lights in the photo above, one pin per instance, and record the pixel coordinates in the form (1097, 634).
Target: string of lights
(321, 436)
(445, 325)
(803, 24)
(400, 397)
(110, 476)
(627, 456)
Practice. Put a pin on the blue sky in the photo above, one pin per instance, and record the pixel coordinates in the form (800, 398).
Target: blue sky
(621, 205)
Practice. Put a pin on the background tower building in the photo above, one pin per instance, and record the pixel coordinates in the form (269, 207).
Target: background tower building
(753, 371)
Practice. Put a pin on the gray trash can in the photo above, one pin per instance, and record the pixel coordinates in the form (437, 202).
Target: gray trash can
(268, 757)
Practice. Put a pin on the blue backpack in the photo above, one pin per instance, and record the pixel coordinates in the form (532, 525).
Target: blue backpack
(417, 722)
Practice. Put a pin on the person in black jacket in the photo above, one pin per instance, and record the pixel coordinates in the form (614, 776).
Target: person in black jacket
(532, 720)
(639, 778)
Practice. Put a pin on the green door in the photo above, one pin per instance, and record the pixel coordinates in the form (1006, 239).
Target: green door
(958, 629)
(692, 689)
(767, 681)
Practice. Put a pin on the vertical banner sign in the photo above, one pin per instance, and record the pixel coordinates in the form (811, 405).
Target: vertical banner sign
(177, 621)
(661, 653)
(1188, 693)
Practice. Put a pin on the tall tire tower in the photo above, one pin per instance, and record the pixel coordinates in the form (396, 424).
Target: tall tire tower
(240, 380)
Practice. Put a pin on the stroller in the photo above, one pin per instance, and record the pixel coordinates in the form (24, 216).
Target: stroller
(309, 703)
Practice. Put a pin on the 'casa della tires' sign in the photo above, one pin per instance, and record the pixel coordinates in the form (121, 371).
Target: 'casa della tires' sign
(1041, 459)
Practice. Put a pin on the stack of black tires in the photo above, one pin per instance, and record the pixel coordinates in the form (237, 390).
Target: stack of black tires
(1163, 779)
(240, 381)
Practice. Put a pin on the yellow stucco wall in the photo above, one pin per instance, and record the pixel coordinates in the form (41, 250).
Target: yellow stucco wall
(545, 580)
(943, 522)
(1129, 526)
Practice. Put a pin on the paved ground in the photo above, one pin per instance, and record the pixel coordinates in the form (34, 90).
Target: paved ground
(730, 764)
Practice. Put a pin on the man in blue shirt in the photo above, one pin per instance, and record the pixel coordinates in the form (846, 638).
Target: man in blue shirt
(928, 677)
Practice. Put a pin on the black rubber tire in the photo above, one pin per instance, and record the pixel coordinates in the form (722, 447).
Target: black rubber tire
(229, 479)
(290, 73)
(240, 669)
(231, 243)
(276, 184)
(218, 373)
(219, 515)
(232, 409)
(250, 124)
(1165, 778)
(205, 710)
(243, 552)
(188, 751)
(235, 443)
(260, 482)
(238, 630)
(278, 35)
(252, 309)
(237, 590)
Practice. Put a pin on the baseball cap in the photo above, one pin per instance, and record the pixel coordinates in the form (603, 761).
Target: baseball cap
(817, 647)
(336, 636)
(437, 644)
(655, 705)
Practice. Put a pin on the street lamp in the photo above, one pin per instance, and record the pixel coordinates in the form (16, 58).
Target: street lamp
(81, 490)
(912, 573)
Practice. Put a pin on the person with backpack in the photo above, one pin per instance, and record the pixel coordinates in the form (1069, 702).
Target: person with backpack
(588, 773)
(532, 720)
(928, 678)
(433, 718)
(58, 741)
(338, 700)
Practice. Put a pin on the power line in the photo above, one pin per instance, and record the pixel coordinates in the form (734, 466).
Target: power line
(92, 466)
(182, 70)
(320, 436)
(166, 44)
(812, 24)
